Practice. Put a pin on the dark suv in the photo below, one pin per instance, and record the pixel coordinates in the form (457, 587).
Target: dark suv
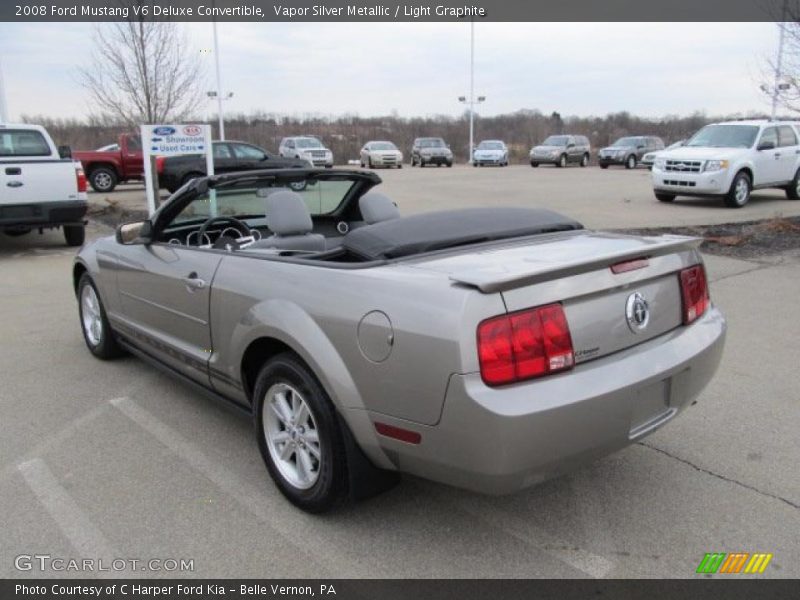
(431, 151)
(560, 150)
(629, 151)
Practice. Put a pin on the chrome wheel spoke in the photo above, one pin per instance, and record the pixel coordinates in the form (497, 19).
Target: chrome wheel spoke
(305, 467)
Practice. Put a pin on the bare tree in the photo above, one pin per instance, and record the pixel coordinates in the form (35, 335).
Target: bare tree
(143, 72)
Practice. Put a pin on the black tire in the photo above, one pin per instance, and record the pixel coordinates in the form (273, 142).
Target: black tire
(400, 166)
(475, 164)
(103, 179)
(369, 162)
(736, 198)
(562, 161)
(17, 231)
(74, 235)
(332, 484)
(630, 162)
(585, 160)
(413, 162)
(534, 164)
(421, 164)
(106, 346)
(792, 191)
(602, 166)
(449, 165)
(665, 197)
(363, 165)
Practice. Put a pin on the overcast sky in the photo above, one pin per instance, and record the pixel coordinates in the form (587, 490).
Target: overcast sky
(649, 69)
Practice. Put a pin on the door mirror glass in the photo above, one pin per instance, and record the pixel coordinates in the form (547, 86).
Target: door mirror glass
(767, 145)
(136, 232)
(64, 152)
(570, 145)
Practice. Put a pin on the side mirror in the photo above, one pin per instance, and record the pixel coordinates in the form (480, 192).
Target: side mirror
(570, 146)
(640, 147)
(135, 232)
(64, 152)
(768, 145)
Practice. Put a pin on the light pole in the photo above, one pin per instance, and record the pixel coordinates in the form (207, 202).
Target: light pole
(471, 101)
(3, 105)
(219, 83)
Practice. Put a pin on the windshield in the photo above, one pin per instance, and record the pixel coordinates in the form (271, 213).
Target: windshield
(432, 143)
(724, 136)
(490, 146)
(247, 200)
(556, 140)
(383, 146)
(308, 143)
(628, 141)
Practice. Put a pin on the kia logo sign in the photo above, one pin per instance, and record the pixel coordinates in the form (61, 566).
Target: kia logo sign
(163, 130)
(192, 130)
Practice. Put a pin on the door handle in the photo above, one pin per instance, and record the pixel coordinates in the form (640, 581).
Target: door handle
(193, 282)
(15, 184)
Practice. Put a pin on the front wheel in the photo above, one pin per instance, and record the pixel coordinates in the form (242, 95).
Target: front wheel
(665, 197)
(739, 193)
(630, 163)
(585, 160)
(793, 189)
(534, 164)
(299, 436)
(449, 165)
(94, 324)
(74, 234)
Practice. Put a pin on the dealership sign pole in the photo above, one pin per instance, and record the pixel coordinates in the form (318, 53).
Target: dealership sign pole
(3, 106)
(173, 140)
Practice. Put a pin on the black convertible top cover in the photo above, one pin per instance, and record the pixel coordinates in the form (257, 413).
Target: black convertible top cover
(425, 232)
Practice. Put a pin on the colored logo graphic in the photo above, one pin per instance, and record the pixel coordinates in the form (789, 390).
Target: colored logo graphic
(192, 130)
(733, 563)
(164, 130)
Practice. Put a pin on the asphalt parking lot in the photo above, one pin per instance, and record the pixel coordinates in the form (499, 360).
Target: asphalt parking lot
(115, 460)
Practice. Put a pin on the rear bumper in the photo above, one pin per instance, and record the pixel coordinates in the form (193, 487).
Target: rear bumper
(43, 214)
(499, 440)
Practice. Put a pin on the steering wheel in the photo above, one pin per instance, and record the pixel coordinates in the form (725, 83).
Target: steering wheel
(238, 225)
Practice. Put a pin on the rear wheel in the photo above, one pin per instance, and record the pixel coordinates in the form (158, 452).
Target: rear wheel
(665, 197)
(584, 160)
(630, 162)
(562, 162)
(534, 164)
(421, 163)
(793, 189)
(299, 435)
(450, 164)
(603, 166)
(94, 324)
(74, 234)
(739, 194)
(103, 179)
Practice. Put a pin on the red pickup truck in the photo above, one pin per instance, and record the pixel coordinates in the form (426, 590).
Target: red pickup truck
(105, 169)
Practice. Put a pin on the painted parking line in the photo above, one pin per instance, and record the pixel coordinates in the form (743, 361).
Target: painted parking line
(81, 532)
(297, 529)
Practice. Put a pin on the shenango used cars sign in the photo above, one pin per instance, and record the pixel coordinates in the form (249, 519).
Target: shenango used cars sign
(174, 140)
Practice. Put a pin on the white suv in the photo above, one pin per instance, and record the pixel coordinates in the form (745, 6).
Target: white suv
(307, 147)
(729, 160)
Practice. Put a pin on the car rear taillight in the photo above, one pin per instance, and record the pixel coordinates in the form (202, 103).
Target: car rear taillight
(80, 178)
(160, 164)
(524, 344)
(694, 291)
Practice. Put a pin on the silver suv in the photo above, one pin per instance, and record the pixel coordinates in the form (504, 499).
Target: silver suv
(307, 147)
(560, 150)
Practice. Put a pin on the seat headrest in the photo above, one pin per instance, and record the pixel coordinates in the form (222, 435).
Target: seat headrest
(287, 214)
(376, 207)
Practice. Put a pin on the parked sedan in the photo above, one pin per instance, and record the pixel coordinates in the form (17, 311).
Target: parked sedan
(173, 172)
(629, 151)
(487, 348)
(381, 154)
(490, 152)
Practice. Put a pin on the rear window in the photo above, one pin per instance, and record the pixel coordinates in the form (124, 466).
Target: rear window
(23, 142)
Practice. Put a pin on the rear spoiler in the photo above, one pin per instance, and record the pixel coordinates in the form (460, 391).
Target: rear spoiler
(489, 282)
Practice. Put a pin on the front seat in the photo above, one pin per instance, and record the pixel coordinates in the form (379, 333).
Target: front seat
(376, 207)
(291, 225)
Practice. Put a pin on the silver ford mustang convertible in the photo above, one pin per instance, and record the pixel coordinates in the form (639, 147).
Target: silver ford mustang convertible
(483, 348)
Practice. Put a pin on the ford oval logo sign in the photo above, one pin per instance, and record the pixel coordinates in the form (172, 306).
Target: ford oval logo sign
(192, 130)
(163, 130)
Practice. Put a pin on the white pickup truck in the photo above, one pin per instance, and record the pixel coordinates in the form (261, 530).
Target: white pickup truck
(40, 185)
(729, 160)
